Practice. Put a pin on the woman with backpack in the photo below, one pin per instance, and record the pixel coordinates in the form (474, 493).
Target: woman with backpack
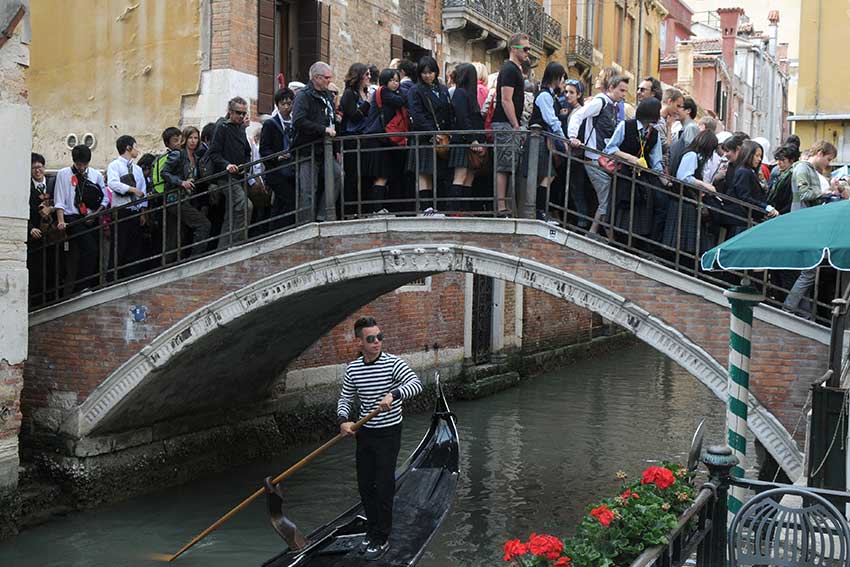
(354, 106)
(636, 142)
(467, 157)
(430, 110)
(689, 168)
(387, 108)
(546, 114)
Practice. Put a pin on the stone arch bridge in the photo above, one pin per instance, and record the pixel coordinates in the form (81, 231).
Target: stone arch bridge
(96, 382)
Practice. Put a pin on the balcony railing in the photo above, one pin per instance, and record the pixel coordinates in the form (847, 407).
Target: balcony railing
(511, 16)
(552, 31)
(580, 50)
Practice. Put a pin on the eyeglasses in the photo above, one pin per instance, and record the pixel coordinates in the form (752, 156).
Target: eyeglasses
(239, 112)
(371, 339)
(523, 47)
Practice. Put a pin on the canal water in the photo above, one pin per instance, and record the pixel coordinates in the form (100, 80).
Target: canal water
(532, 457)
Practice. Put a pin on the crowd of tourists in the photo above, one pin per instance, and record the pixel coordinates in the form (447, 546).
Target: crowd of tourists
(615, 167)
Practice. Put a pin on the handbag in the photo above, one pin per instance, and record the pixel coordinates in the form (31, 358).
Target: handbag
(400, 122)
(441, 141)
(476, 160)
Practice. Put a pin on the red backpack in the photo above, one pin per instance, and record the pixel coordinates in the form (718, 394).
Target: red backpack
(398, 123)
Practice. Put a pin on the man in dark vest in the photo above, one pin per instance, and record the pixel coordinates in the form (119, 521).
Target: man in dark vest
(599, 117)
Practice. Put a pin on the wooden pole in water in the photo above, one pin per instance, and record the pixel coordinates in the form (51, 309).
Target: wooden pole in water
(279, 478)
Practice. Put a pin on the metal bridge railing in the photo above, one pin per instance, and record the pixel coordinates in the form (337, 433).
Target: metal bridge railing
(329, 182)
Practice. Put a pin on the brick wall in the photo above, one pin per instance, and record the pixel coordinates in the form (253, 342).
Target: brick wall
(411, 321)
(233, 35)
(549, 322)
(360, 33)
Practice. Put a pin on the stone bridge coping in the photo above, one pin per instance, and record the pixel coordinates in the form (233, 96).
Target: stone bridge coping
(569, 239)
(431, 256)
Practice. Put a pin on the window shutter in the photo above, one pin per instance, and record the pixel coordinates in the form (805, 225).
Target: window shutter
(396, 47)
(314, 41)
(266, 55)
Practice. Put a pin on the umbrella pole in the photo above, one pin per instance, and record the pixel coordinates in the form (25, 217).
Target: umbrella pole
(742, 300)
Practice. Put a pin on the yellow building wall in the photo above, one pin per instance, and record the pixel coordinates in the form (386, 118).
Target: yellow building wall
(110, 67)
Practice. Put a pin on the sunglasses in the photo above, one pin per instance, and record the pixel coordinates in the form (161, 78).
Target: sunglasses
(642, 89)
(239, 112)
(379, 338)
(523, 47)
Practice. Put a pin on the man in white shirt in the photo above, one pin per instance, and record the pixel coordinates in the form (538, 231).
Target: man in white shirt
(599, 116)
(128, 186)
(76, 201)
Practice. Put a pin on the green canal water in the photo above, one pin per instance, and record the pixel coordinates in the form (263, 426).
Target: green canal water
(532, 459)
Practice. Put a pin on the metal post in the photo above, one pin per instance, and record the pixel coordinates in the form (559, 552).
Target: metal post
(528, 203)
(720, 461)
(836, 341)
(742, 299)
(330, 189)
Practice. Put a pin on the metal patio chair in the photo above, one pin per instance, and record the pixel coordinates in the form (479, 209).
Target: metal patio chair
(766, 532)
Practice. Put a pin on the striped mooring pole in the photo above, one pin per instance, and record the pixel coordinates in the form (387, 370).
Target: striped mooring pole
(742, 299)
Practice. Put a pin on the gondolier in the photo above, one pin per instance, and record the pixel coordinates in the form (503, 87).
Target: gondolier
(376, 378)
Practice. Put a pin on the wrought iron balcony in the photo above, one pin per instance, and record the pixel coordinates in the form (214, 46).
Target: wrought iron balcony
(552, 32)
(579, 51)
(505, 17)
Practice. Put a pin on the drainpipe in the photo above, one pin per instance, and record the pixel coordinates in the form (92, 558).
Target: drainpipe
(640, 40)
(742, 300)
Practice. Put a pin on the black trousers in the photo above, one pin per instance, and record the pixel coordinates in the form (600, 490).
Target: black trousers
(377, 452)
(130, 242)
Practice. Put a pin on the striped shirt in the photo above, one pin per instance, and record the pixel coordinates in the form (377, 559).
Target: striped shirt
(371, 382)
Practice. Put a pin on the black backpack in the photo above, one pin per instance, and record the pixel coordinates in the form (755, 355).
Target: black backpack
(87, 194)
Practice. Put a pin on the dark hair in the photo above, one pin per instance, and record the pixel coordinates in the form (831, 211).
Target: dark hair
(467, 79)
(615, 81)
(579, 90)
(37, 158)
(373, 74)
(793, 140)
(427, 63)
(407, 67)
(207, 132)
(552, 75)
(355, 76)
(169, 133)
(81, 154)
(387, 76)
(146, 161)
(657, 92)
(124, 143)
(787, 151)
(283, 94)
(691, 106)
(742, 135)
(748, 150)
(733, 143)
(649, 110)
(363, 323)
(703, 145)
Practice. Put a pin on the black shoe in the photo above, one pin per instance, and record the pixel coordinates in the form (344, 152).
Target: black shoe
(363, 546)
(376, 551)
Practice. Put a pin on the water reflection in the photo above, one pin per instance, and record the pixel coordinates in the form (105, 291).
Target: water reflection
(532, 458)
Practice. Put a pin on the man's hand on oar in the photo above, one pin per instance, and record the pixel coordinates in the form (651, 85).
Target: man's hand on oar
(278, 479)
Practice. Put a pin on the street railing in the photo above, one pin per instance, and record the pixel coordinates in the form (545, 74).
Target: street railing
(328, 181)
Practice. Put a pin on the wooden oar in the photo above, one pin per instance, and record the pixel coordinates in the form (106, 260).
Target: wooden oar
(279, 478)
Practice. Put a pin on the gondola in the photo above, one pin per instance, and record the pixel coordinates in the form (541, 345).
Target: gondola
(425, 488)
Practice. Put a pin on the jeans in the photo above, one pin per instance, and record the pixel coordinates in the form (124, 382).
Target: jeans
(601, 182)
(191, 218)
(235, 212)
(311, 188)
(798, 301)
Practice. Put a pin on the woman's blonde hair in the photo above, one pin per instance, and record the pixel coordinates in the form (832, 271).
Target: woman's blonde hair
(481, 71)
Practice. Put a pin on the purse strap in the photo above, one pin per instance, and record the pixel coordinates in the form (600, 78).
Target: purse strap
(431, 108)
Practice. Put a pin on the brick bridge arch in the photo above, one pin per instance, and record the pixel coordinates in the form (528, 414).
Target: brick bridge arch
(220, 322)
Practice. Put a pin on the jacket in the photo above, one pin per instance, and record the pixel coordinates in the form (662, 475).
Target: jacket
(467, 115)
(420, 111)
(312, 112)
(35, 201)
(805, 185)
(745, 186)
(229, 145)
(178, 168)
(276, 137)
(354, 112)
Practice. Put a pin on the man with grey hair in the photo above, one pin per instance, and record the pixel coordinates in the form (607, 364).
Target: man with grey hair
(313, 118)
(600, 118)
(228, 150)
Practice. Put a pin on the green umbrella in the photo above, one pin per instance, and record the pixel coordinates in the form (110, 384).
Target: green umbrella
(797, 241)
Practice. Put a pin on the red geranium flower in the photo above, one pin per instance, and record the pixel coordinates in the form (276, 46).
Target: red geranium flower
(514, 548)
(603, 514)
(563, 562)
(629, 494)
(662, 477)
(544, 545)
